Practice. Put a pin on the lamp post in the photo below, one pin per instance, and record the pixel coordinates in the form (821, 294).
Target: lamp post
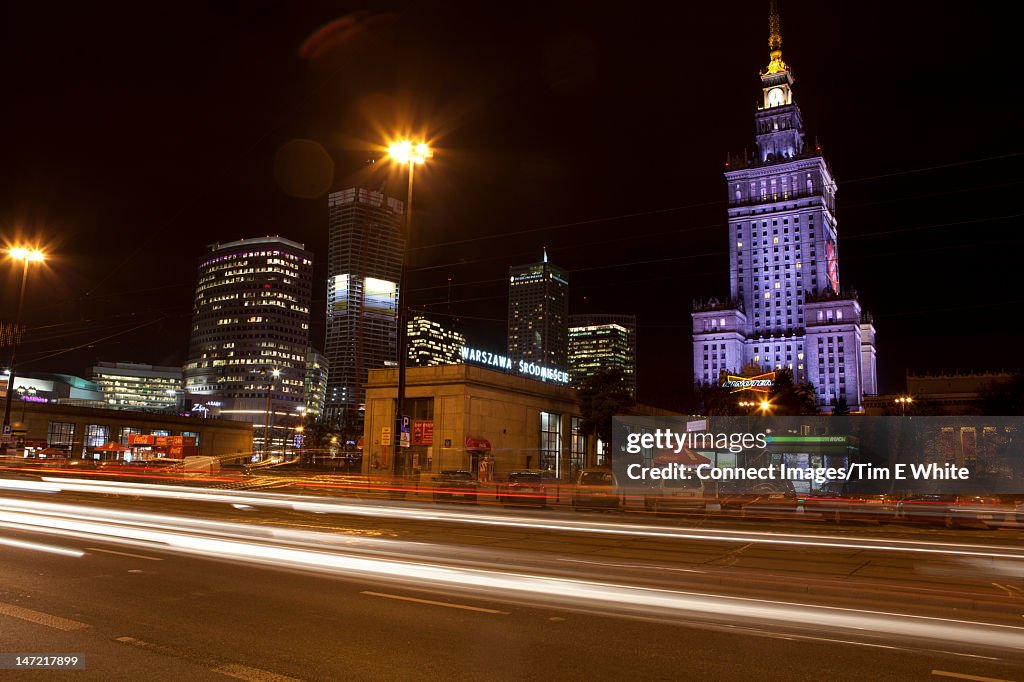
(266, 416)
(26, 256)
(903, 401)
(410, 154)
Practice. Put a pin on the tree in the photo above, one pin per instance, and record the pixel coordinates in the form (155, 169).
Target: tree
(789, 398)
(603, 395)
(840, 408)
(1005, 398)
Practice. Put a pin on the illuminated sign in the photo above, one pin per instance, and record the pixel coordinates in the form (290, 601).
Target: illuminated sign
(832, 265)
(524, 367)
(762, 383)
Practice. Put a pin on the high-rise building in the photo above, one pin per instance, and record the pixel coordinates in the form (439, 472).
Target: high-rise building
(250, 319)
(598, 342)
(317, 371)
(431, 343)
(786, 307)
(132, 386)
(364, 264)
(538, 314)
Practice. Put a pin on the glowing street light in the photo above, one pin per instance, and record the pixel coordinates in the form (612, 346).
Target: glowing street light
(411, 154)
(25, 255)
(275, 373)
(903, 401)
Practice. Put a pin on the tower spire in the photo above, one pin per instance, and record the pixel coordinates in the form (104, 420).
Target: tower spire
(776, 65)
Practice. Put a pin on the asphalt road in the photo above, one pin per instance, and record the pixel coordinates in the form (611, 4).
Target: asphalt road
(168, 587)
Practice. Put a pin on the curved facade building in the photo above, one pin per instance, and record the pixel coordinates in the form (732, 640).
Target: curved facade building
(251, 317)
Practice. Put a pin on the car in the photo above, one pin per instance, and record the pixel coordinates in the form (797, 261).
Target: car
(596, 488)
(954, 510)
(452, 483)
(679, 495)
(759, 498)
(841, 501)
(524, 488)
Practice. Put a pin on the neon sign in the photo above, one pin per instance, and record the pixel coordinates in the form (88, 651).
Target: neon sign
(762, 383)
(530, 369)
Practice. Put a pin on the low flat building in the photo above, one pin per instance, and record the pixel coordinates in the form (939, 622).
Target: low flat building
(135, 386)
(460, 414)
(76, 429)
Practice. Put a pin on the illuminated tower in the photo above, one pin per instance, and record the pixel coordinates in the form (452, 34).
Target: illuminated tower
(786, 307)
(251, 317)
(598, 342)
(364, 262)
(538, 314)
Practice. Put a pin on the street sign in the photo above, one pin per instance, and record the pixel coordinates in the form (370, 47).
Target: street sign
(7, 430)
(385, 435)
(405, 439)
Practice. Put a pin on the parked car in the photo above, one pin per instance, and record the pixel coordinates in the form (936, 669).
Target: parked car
(678, 495)
(596, 488)
(524, 488)
(954, 511)
(759, 498)
(451, 484)
(841, 501)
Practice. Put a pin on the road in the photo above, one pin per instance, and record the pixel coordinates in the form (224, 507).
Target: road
(218, 584)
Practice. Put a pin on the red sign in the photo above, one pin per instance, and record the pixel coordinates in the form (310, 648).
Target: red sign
(161, 441)
(422, 432)
(478, 444)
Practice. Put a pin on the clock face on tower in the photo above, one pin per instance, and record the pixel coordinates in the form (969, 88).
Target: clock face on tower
(776, 97)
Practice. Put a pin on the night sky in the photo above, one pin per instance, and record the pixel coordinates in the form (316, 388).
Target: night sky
(136, 134)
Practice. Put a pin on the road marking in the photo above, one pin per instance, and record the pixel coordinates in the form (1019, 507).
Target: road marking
(435, 603)
(244, 672)
(965, 676)
(134, 556)
(236, 670)
(40, 618)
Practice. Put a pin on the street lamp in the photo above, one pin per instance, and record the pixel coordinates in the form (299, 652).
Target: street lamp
(903, 401)
(410, 154)
(26, 256)
(266, 423)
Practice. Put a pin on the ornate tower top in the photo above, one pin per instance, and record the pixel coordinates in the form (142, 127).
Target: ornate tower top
(776, 65)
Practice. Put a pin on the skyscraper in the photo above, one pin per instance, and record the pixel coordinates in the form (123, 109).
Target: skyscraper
(431, 343)
(599, 342)
(317, 372)
(251, 317)
(364, 263)
(538, 314)
(786, 307)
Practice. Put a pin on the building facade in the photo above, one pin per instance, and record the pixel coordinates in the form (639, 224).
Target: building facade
(463, 413)
(76, 430)
(538, 314)
(317, 373)
(364, 265)
(786, 307)
(599, 342)
(133, 386)
(431, 343)
(250, 332)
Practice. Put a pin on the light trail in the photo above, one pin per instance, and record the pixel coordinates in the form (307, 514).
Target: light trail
(313, 552)
(332, 506)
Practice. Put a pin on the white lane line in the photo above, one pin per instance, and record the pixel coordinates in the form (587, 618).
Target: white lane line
(134, 556)
(965, 676)
(244, 672)
(40, 618)
(435, 603)
(52, 549)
